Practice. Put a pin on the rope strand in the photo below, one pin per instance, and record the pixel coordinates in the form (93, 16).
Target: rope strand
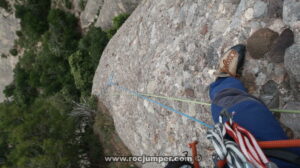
(160, 104)
(205, 103)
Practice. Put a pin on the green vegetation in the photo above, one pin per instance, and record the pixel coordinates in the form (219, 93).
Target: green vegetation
(68, 4)
(117, 23)
(46, 69)
(4, 4)
(13, 52)
(39, 144)
(19, 33)
(82, 4)
(47, 122)
(3, 56)
(33, 15)
(84, 62)
(45, 135)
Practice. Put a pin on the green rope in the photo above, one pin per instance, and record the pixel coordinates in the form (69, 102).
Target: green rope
(176, 99)
(206, 104)
(285, 111)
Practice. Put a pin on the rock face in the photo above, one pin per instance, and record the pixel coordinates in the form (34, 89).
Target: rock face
(171, 47)
(291, 59)
(292, 64)
(292, 120)
(277, 51)
(275, 8)
(90, 12)
(8, 27)
(270, 94)
(291, 11)
(260, 42)
(112, 8)
(260, 9)
(101, 12)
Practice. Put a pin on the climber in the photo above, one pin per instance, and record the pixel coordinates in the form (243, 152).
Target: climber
(228, 92)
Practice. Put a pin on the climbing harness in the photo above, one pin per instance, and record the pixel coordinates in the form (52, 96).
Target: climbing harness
(249, 147)
(245, 140)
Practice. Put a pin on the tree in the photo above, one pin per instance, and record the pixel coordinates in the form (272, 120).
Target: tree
(37, 128)
(94, 42)
(23, 92)
(82, 71)
(63, 32)
(84, 62)
(33, 15)
(13, 52)
(43, 136)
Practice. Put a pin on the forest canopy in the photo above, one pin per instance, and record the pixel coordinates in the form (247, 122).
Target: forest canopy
(52, 78)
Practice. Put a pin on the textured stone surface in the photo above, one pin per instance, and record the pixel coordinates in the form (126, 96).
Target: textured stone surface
(8, 27)
(260, 42)
(90, 12)
(76, 8)
(291, 17)
(292, 120)
(285, 40)
(275, 8)
(171, 47)
(270, 94)
(291, 59)
(292, 64)
(276, 24)
(260, 9)
(291, 11)
(112, 8)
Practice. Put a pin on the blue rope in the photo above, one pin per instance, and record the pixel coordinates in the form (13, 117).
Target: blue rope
(110, 83)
